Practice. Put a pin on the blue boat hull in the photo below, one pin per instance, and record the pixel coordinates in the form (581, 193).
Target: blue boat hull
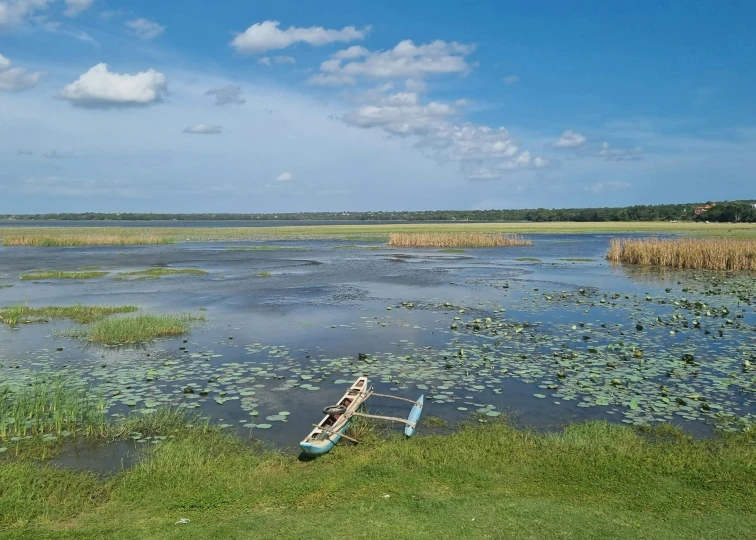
(323, 447)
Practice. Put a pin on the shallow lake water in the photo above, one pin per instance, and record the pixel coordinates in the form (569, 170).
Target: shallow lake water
(550, 332)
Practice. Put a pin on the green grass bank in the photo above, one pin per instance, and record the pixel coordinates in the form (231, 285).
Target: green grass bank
(594, 480)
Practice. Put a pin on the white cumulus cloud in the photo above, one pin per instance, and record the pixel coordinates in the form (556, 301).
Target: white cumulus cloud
(284, 177)
(405, 60)
(570, 139)
(13, 12)
(100, 87)
(74, 7)
(401, 114)
(268, 35)
(203, 129)
(145, 29)
(16, 79)
(482, 152)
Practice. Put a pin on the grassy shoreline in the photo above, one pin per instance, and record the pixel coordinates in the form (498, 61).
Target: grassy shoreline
(594, 480)
(69, 236)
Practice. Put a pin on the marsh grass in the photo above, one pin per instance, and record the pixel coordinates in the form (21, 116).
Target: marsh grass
(263, 274)
(51, 407)
(155, 273)
(37, 236)
(60, 274)
(456, 240)
(685, 253)
(527, 259)
(590, 481)
(24, 314)
(135, 328)
(61, 239)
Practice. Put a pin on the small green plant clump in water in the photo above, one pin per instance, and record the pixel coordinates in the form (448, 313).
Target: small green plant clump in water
(59, 274)
(452, 250)
(155, 273)
(136, 328)
(527, 259)
(263, 274)
(21, 314)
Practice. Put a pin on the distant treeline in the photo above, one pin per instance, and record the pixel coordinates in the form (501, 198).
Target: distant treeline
(736, 211)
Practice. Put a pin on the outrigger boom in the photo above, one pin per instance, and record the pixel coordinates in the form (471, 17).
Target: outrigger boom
(329, 431)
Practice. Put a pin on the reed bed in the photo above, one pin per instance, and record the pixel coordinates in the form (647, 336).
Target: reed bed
(456, 240)
(685, 253)
(98, 235)
(72, 240)
(51, 407)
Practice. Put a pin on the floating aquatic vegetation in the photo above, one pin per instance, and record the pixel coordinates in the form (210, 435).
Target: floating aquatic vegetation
(680, 351)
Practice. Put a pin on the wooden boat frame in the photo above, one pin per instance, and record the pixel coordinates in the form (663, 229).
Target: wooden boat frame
(331, 428)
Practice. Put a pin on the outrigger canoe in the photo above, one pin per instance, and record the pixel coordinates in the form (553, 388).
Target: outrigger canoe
(331, 429)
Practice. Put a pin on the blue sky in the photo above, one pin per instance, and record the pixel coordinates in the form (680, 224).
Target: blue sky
(276, 106)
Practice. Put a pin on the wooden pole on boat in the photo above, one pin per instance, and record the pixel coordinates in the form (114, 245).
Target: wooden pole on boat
(395, 397)
(389, 418)
(347, 437)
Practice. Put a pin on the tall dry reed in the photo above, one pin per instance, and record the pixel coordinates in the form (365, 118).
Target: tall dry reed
(685, 253)
(456, 239)
(67, 240)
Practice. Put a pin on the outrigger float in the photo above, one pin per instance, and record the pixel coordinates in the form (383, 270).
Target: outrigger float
(331, 429)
